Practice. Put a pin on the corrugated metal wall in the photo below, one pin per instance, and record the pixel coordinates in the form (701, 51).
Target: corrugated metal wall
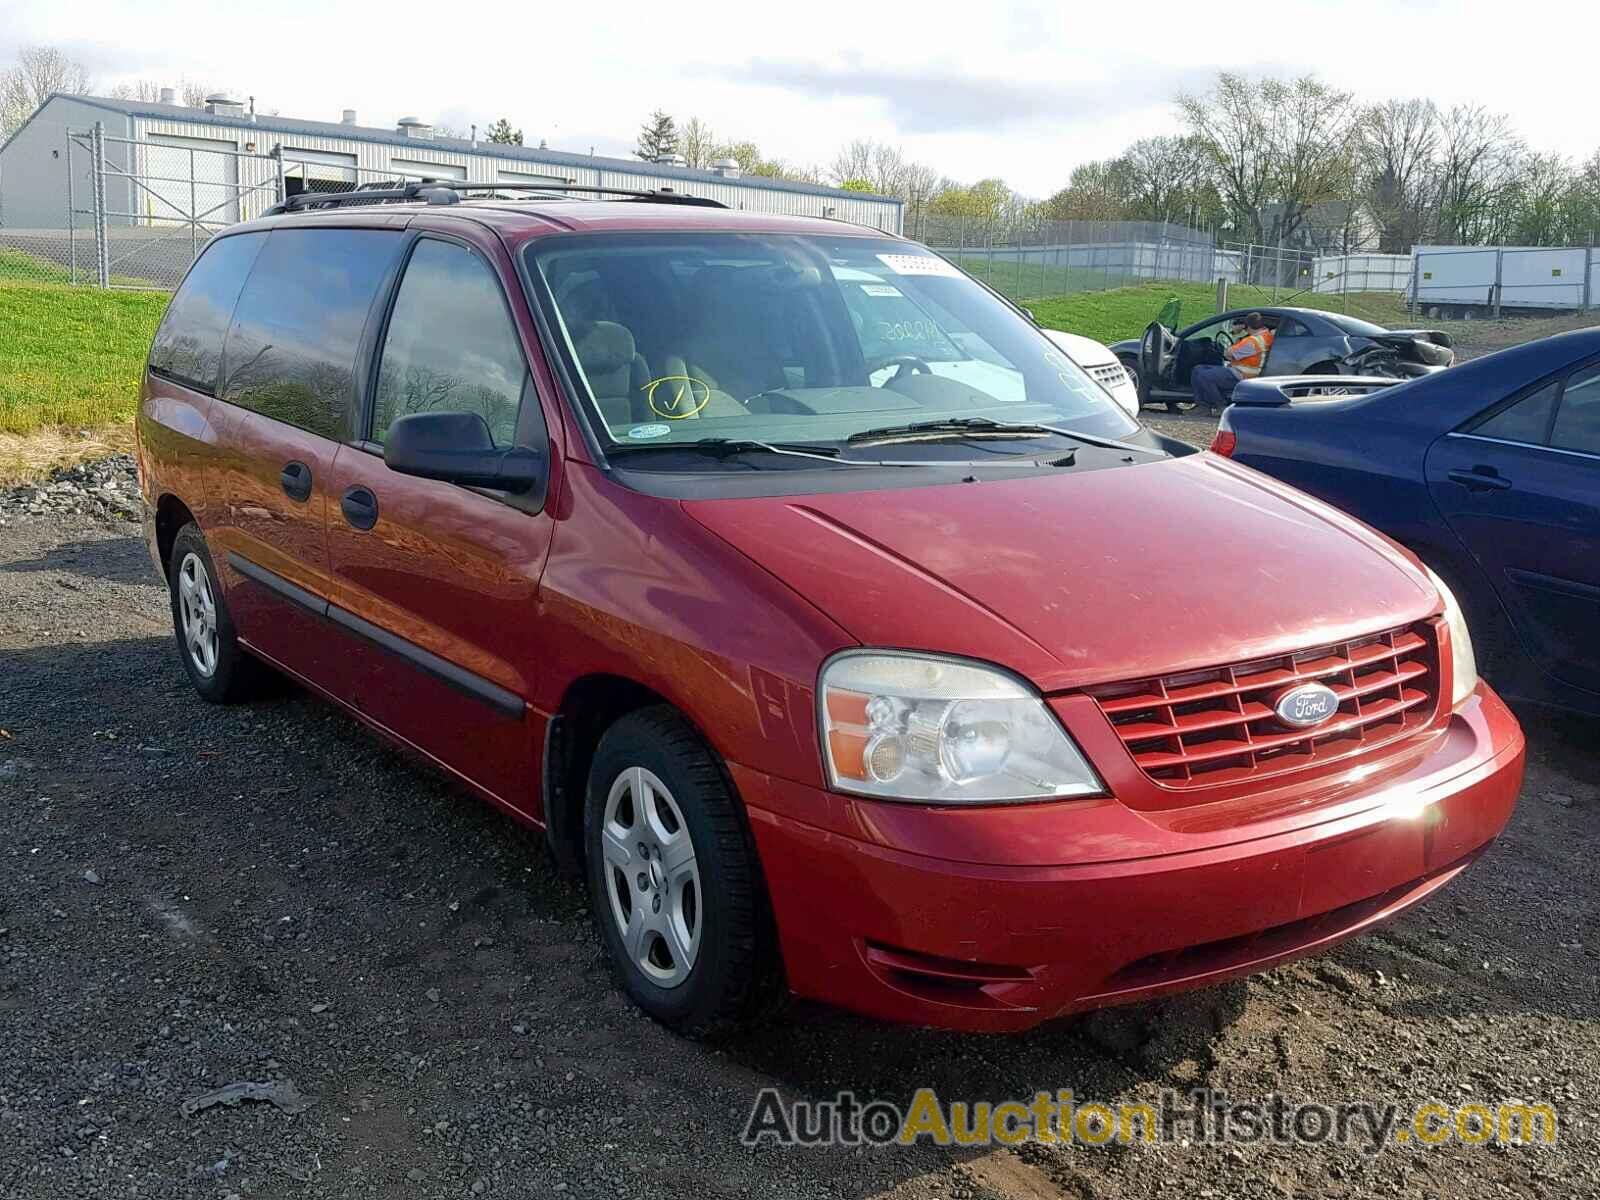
(376, 157)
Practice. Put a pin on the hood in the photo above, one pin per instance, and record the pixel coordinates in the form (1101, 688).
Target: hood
(1086, 352)
(1076, 578)
(1427, 346)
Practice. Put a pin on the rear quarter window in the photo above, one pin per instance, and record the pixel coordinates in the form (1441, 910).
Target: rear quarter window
(291, 349)
(188, 345)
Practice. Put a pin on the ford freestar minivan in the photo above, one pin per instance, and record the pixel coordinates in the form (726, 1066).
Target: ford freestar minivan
(851, 640)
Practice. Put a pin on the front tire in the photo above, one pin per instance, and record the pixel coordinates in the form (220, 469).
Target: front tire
(674, 882)
(219, 668)
(1131, 366)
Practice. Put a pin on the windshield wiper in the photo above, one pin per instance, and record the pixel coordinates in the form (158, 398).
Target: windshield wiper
(727, 447)
(984, 427)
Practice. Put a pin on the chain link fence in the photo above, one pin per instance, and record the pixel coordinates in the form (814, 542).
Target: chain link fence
(1033, 259)
(137, 212)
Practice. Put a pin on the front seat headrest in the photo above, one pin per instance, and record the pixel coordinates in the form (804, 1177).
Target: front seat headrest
(603, 347)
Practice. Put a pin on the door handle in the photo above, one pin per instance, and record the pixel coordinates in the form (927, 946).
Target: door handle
(296, 480)
(360, 507)
(1481, 479)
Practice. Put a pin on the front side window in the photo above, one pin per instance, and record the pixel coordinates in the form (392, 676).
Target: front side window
(690, 338)
(188, 346)
(451, 346)
(291, 350)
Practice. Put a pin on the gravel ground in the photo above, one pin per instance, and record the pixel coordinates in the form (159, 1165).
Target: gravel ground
(192, 897)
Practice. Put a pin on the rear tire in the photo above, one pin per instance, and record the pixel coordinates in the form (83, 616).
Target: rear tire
(220, 669)
(674, 881)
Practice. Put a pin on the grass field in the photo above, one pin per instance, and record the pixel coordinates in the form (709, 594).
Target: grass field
(70, 357)
(1124, 312)
(29, 268)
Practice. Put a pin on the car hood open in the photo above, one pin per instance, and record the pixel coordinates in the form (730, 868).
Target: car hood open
(1071, 579)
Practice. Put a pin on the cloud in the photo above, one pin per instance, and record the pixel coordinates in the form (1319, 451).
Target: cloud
(943, 100)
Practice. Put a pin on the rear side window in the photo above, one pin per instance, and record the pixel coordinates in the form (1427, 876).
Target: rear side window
(451, 346)
(188, 346)
(291, 350)
(1577, 424)
(1525, 421)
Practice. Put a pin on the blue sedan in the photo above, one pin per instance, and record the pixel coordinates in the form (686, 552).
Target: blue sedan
(1489, 472)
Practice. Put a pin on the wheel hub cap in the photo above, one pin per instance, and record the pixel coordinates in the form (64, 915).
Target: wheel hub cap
(652, 879)
(197, 612)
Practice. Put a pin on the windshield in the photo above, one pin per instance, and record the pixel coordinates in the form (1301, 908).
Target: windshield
(684, 338)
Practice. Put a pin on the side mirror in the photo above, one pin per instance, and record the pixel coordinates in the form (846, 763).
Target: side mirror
(458, 448)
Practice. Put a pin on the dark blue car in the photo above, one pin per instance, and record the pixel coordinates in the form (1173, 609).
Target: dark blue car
(1489, 472)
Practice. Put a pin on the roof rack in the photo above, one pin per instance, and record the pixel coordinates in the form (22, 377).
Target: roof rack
(445, 191)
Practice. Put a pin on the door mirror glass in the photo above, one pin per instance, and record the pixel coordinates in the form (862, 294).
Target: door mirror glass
(457, 447)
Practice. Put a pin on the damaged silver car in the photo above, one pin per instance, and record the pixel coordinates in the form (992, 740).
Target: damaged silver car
(1306, 341)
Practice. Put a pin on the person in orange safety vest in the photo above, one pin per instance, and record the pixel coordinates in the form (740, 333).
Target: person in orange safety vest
(1214, 383)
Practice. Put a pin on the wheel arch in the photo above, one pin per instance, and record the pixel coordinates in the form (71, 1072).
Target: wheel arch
(172, 514)
(590, 705)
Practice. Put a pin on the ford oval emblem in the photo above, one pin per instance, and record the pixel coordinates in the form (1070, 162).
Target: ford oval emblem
(1306, 704)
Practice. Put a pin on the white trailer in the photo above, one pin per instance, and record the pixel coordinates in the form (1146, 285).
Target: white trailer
(1494, 278)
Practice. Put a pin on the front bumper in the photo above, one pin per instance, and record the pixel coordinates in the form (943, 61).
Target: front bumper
(1010, 939)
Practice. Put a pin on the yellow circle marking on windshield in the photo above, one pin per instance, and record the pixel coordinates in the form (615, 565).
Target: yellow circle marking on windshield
(686, 399)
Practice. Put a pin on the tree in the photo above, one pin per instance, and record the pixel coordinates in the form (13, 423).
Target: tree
(1169, 179)
(145, 91)
(697, 143)
(1097, 191)
(1397, 143)
(854, 185)
(1277, 149)
(501, 134)
(987, 200)
(658, 137)
(39, 72)
(1479, 159)
(882, 167)
(1545, 199)
(194, 93)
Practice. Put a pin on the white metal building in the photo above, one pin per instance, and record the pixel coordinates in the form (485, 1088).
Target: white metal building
(215, 163)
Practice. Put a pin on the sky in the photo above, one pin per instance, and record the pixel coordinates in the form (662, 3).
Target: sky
(1023, 91)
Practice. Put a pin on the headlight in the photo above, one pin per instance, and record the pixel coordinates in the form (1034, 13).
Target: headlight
(1465, 663)
(934, 730)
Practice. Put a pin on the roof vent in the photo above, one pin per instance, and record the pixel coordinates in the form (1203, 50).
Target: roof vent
(220, 104)
(348, 117)
(413, 127)
(728, 168)
(169, 95)
(672, 160)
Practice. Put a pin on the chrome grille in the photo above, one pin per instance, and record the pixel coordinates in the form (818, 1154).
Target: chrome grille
(1212, 726)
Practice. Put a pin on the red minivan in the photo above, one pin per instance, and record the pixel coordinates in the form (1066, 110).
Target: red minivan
(851, 640)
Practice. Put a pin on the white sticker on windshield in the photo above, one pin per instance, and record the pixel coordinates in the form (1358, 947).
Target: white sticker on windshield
(645, 432)
(918, 264)
(879, 289)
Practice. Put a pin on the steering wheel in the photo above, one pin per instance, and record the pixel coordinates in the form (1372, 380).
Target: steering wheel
(906, 362)
(1224, 341)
